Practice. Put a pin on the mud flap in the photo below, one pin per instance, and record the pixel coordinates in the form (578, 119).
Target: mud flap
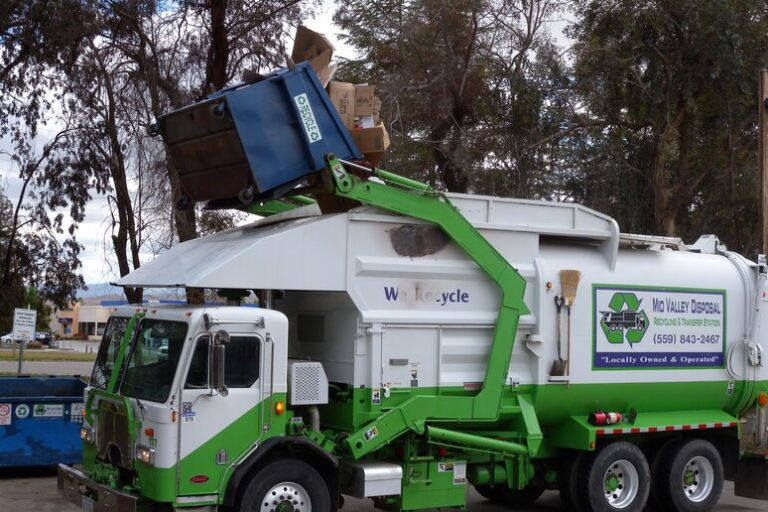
(752, 478)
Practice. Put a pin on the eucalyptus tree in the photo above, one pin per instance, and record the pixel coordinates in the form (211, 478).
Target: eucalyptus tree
(674, 86)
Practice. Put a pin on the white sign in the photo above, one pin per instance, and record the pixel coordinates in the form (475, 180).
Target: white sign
(24, 321)
(308, 118)
(658, 328)
(5, 414)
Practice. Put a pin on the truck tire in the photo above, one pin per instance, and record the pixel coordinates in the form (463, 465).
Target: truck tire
(692, 480)
(503, 495)
(658, 457)
(616, 477)
(294, 484)
(567, 478)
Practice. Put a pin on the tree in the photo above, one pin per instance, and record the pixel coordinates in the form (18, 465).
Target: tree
(457, 79)
(166, 57)
(673, 86)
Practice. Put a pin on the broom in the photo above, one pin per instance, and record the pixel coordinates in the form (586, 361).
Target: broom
(569, 282)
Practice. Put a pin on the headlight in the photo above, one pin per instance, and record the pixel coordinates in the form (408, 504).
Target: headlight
(88, 435)
(145, 455)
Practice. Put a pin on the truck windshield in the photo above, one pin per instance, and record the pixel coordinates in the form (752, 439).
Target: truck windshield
(154, 356)
(110, 344)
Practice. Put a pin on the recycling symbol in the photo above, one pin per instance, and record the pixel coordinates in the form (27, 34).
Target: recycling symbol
(22, 411)
(624, 320)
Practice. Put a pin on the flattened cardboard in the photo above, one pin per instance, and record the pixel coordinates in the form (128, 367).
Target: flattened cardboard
(364, 100)
(342, 96)
(308, 44)
(371, 140)
(315, 48)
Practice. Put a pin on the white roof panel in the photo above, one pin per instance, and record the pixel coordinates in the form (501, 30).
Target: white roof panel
(301, 254)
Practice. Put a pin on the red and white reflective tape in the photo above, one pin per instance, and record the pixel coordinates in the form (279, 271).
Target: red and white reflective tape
(671, 428)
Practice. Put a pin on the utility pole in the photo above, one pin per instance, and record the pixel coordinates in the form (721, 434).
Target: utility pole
(763, 160)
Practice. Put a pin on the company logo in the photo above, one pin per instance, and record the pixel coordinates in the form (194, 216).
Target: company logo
(624, 320)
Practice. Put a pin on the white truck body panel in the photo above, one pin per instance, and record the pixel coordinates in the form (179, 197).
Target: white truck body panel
(427, 320)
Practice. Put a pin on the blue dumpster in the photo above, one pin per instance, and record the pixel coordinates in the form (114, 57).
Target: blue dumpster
(255, 141)
(40, 419)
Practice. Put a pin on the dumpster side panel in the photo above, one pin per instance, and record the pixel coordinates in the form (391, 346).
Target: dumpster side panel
(38, 428)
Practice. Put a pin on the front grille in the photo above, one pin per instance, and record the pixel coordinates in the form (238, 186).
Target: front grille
(113, 439)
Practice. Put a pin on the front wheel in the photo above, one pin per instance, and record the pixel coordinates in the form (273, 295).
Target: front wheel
(286, 486)
(616, 478)
(693, 479)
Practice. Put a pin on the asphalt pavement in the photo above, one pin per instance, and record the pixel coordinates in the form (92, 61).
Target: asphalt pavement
(35, 490)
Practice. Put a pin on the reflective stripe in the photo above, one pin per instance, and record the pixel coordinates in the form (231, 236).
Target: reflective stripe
(669, 428)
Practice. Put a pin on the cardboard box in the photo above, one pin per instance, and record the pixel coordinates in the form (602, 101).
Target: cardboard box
(364, 100)
(342, 96)
(308, 45)
(314, 47)
(365, 122)
(371, 140)
(374, 158)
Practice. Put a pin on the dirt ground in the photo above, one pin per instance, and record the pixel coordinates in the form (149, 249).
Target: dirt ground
(34, 490)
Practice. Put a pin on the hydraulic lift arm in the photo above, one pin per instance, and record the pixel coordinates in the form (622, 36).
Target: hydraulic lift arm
(408, 197)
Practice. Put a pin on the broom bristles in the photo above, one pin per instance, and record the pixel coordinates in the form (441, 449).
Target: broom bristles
(569, 281)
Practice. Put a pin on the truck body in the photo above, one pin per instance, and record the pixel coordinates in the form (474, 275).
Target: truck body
(405, 348)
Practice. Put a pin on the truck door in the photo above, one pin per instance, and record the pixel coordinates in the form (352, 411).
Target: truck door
(215, 428)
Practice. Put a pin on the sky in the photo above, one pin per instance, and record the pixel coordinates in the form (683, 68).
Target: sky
(98, 266)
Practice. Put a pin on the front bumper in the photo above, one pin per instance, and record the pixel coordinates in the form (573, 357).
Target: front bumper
(92, 496)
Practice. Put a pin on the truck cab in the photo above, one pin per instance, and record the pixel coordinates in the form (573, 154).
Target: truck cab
(179, 396)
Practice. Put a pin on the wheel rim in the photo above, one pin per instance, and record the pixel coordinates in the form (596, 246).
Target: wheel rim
(698, 479)
(286, 497)
(621, 483)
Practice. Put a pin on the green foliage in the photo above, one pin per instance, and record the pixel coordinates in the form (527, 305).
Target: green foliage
(673, 86)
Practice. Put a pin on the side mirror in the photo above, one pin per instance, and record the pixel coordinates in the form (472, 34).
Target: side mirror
(218, 370)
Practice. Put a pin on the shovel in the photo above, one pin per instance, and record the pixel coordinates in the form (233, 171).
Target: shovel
(558, 366)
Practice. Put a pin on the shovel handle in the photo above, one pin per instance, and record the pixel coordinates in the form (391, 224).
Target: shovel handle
(559, 302)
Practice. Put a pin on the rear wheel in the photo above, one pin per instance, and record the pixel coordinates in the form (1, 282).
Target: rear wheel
(616, 478)
(692, 481)
(658, 457)
(286, 486)
(568, 481)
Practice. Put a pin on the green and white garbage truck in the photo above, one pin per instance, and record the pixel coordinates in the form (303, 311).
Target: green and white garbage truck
(412, 343)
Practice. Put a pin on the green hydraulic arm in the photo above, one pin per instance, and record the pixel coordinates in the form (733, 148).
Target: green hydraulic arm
(408, 197)
(275, 206)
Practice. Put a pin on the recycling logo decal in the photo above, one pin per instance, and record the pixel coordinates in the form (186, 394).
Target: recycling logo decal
(625, 320)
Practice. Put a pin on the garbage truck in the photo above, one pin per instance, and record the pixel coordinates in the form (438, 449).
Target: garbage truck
(410, 343)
